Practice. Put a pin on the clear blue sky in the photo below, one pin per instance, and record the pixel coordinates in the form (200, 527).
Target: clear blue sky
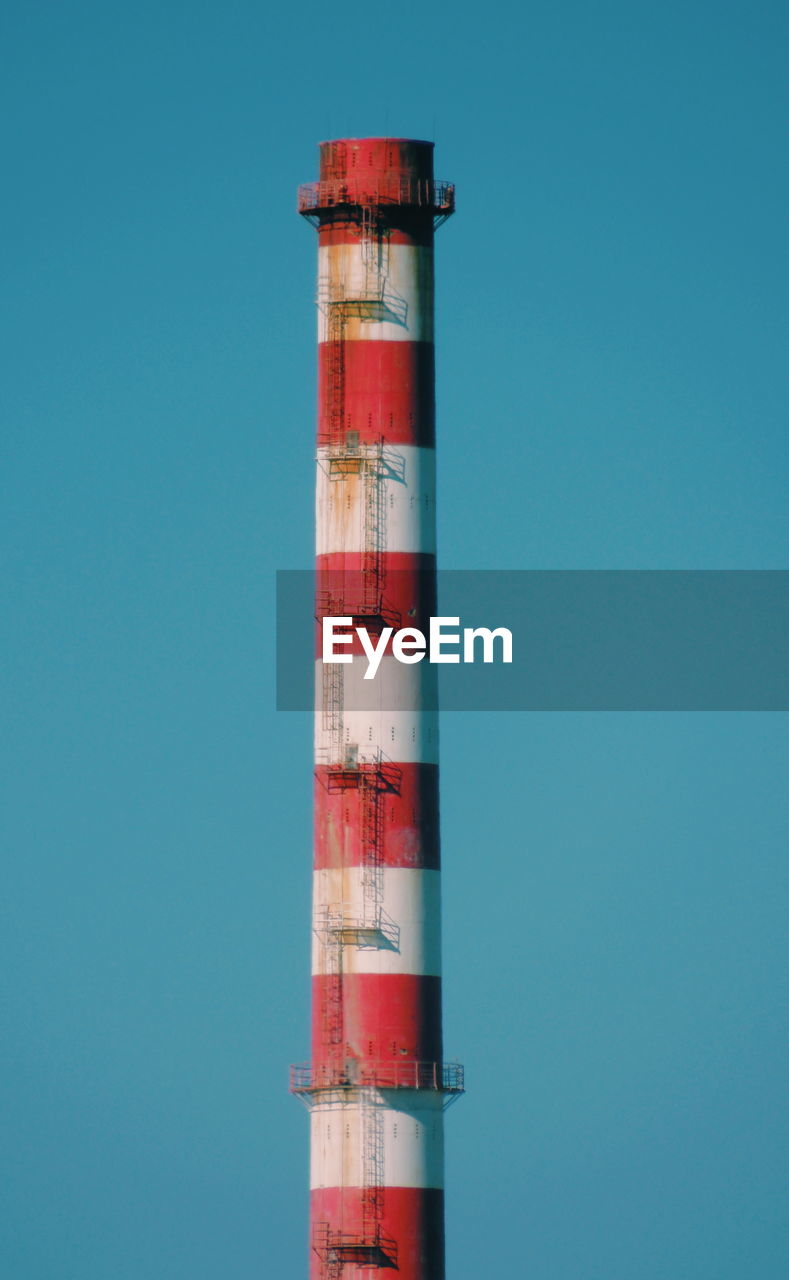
(612, 305)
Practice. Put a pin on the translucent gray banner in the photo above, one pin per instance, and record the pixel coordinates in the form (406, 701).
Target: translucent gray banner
(607, 640)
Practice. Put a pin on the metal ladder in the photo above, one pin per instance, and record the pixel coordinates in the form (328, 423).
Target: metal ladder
(372, 1164)
(336, 371)
(372, 838)
(374, 528)
(332, 689)
(375, 256)
(331, 1000)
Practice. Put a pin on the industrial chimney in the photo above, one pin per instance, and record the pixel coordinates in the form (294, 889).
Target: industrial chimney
(377, 1085)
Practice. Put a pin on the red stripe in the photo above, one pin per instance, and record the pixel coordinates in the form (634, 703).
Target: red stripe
(384, 1016)
(359, 157)
(412, 1216)
(410, 818)
(398, 589)
(388, 390)
(393, 563)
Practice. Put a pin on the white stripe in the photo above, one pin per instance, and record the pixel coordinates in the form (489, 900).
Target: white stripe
(385, 715)
(407, 737)
(413, 1143)
(405, 939)
(400, 483)
(386, 292)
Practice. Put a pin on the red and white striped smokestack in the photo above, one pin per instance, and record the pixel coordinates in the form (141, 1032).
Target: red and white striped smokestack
(377, 1085)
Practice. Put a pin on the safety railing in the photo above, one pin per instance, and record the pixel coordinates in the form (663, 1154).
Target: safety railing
(374, 615)
(423, 193)
(334, 924)
(442, 1077)
(364, 1250)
